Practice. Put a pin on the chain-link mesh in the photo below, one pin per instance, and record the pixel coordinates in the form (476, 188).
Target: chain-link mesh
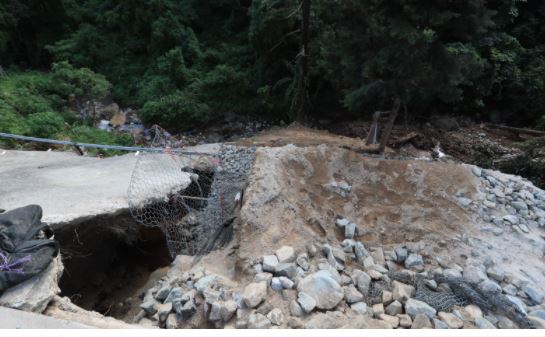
(189, 197)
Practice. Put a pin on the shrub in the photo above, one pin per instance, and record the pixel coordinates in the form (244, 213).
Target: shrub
(44, 124)
(180, 110)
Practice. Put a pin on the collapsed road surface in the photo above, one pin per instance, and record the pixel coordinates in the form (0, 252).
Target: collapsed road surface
(328, 238)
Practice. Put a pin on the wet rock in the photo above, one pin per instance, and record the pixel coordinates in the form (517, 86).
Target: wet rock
(360, 308)
(254, 293)
(322, 288)
(352, 295)
(285, 254)
(414, 307)
(258, 321)
(270, 262)
(394, 308)
(276, 316)
(451, 320)
(307, 302)
(401, 292)
(421, 321)
(517, 302)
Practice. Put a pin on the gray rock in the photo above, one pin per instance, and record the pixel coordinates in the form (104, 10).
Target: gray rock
(286, 269)
(517, 302)
(227, 310)
(258, 321)
(350, 230)
(474, 274)
(276, 316)
(483, 323)
(295, 323)
(401, 292)
(534, 293)
(510, 289)
(512, 219)
(276, 284)
(362, 280)
(295, 309)
(414, 261)
(496, 273)
(361, 252)
(149, 307)
(437, 324)
(35, 293)
(285, 254)
(302, 261)
(451, 273)
(401, 254)
(519, 205)
(394, 308)
(360, 308)
(393, 321)
(490, 286)
(451, 320)
(348, 245)
(537, 322)
(464, 202)
(342, 222)
(405, 321)
(175, 295)
(414, 307)
(323, 288)
(331, 270)
(378, 309)
(270, 262)
(352, 295)
(162, 293)
(538, 313)
(187, 310)
(254, 294)
(205, 282)
(172, 322)
(477, 171)
(421, 322)
(267, 277)
(307, 302)
(286, 282)
(164, 310)
(506, 323)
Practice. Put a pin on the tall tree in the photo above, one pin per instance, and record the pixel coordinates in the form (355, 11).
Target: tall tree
(301, 98)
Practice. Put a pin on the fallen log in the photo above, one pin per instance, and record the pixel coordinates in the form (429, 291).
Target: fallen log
(531, 132)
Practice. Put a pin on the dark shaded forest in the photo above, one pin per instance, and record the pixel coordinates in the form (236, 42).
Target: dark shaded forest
(186, 63)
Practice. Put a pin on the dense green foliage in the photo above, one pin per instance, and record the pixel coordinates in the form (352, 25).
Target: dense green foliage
(35, 103)
(186, 62)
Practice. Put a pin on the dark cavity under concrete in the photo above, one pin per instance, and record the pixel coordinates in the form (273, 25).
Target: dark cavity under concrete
(109, 261)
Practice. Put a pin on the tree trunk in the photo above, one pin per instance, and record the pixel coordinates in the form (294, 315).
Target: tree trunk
(388, 129)
(302, 86)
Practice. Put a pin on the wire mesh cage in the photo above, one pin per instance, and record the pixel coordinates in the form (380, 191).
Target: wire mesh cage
(190, 197)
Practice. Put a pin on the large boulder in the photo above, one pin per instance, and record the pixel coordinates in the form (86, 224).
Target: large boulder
(322, 288)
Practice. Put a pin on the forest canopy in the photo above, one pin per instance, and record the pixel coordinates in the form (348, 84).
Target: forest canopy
(187, 62)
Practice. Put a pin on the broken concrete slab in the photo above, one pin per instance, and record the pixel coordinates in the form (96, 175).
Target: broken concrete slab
(35, 293)
(71, 187)
(17, 319)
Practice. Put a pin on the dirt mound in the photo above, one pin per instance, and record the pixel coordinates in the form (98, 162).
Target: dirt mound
(296, 194)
